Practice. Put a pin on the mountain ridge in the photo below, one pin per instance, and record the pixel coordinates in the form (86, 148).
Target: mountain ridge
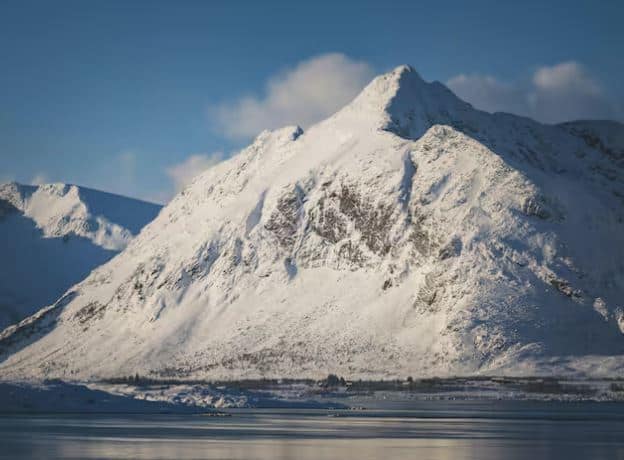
(53, 235)
(407, 234)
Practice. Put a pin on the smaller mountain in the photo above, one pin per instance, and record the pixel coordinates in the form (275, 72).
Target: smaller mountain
(53, 235)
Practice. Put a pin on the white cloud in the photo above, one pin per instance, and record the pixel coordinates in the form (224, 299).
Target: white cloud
(566, 92)
(565, 76)
(127, 166)
(554, 94)
(121, 174)
(312, 90)
(183, 173)
(487, 93)
(39, 179)
(126, 174)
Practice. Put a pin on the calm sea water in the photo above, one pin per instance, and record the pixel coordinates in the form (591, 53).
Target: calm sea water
(429, 430)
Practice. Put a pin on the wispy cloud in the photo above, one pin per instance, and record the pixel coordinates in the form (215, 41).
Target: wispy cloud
(123, 173)
(181, 174)
(312, 90)
(562, 92)
(127, 162)
(39, 179)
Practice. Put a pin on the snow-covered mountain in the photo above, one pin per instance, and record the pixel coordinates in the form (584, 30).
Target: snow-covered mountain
(52, 236)
(408, 234)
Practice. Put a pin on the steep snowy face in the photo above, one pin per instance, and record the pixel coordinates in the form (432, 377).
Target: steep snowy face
(52, 235)
(408, 234)
(605, 136)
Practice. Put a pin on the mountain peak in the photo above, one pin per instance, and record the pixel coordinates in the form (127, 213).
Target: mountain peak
(60, 209)
(281, 135)
(402, 102)
(403, 72)
(379, 92)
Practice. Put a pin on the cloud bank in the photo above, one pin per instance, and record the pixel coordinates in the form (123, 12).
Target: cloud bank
(309, 92)
(554, 94)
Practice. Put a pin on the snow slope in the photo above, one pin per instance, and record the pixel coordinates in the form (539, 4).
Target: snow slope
(52, 236)
(408, 234)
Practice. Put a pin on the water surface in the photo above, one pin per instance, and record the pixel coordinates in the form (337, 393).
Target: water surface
(428, 430)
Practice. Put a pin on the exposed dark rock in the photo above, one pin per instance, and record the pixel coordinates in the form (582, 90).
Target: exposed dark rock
(327, 222)
(373, 221)
(284, 220)
(352, 253)
(564, 287)
(542, 207)
(452, 249)
(90, 311)
(418, 236)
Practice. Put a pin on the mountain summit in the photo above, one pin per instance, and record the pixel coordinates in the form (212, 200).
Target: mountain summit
(407, 234)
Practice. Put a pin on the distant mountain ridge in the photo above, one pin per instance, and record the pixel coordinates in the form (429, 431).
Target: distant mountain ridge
(407, 234)
(53, 235)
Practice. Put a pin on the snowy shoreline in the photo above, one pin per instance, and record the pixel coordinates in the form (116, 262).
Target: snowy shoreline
(150, 396)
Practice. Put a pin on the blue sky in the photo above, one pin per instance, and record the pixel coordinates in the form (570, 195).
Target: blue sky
(134, 97)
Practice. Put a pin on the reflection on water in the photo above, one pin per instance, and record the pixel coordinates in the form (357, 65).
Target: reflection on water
(434, 430)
